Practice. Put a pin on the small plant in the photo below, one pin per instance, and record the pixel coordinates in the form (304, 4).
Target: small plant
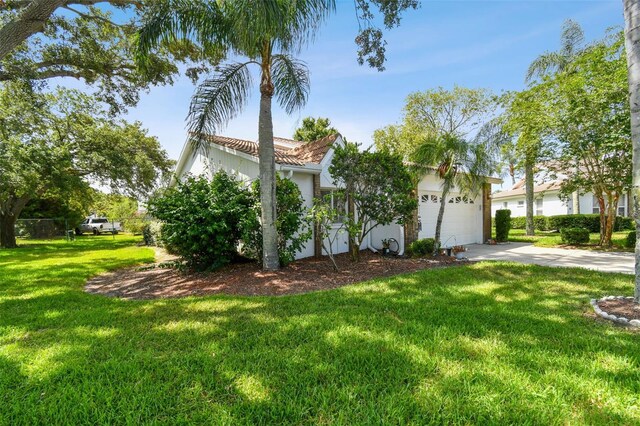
(630, 241)
(458, 249)
(386, 243)
(574, 235)
(503, 225)
(421, 247)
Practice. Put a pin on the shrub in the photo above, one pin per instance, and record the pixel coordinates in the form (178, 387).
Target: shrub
(421, 247)
(152, 233)
(202, 219)
(291, 222)
(503, 224)
(574, 235)
(553, 223)
(630, 241)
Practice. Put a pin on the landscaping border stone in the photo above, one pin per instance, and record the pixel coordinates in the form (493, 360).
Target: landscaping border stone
(611, 317)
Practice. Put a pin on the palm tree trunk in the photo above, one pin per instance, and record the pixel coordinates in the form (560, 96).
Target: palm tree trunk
(266, 154)
(632, 44)
(443, 203)
(528, 186)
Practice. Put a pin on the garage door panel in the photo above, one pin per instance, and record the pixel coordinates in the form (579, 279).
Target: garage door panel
(460, 222)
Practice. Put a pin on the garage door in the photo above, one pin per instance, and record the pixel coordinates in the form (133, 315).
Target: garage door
(462, 223)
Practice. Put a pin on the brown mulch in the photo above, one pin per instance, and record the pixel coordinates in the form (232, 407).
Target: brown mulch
(301, 276)
(626, 308)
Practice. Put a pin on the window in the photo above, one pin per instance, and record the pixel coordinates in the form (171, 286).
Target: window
(622, 205)
(505, 205)
(595, 206)
(521, 203)
(337, 203)
(539, 207)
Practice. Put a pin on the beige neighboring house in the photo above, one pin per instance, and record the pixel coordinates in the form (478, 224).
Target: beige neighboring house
(467, 220)
(547, 201)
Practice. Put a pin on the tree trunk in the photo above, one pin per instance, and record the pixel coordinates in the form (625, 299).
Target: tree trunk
(575, 199)
(266, 153)
(602, 208)
(611, 222)
(443, 203)
(7, 230)
(29, 21)
(632, 44)
(411, 225)
(528, 186)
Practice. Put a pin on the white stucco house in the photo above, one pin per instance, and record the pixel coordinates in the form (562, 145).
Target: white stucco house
(548, 201)
(467, 220)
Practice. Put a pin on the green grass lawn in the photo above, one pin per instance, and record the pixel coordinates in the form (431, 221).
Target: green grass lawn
(552, 239)
(484, 343)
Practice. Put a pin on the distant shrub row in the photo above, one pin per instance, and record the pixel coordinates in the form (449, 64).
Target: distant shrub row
(554, 223)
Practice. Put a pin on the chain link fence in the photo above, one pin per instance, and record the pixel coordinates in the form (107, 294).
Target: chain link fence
(47, 228)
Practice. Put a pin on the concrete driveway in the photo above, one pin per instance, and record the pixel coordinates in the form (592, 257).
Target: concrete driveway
(528, 253)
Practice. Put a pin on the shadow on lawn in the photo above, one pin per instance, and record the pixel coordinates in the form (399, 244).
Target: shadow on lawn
(471, 344)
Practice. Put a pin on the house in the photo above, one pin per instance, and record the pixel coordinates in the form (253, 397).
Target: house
(548, 201)
(467, 219)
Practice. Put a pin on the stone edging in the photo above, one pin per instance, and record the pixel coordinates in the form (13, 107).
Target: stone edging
(611, 317)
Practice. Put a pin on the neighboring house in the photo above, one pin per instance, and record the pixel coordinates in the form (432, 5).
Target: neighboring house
(466, 221)
(547, 201)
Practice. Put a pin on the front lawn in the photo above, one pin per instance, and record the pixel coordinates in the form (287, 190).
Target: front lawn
(484, 343)
(552, 239)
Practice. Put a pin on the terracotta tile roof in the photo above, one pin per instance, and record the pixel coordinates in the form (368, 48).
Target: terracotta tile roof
(301, 154)
(519, 189)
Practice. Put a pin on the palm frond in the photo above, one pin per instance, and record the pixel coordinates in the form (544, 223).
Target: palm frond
(199, 21)
(289, 25)
(291, 81)
(572, 38)
(218, 100)
(544, 64)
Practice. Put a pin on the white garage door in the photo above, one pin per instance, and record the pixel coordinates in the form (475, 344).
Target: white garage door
(462, 218)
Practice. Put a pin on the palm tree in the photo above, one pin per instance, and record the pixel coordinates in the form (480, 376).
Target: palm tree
(571, 45)
(458, 163)
(632, 44)
(266, 33)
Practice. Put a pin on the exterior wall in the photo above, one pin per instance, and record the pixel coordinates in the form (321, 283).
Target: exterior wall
(552, 205)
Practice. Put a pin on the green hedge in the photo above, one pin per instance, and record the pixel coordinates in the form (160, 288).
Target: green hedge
(574, 235)
(553, 223)
(630, 241)
(503, 224)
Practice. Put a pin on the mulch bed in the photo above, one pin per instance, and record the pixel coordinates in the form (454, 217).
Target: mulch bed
(625, 308)
(302, 276)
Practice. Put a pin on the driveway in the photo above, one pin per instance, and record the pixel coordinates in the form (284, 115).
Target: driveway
(528, 253)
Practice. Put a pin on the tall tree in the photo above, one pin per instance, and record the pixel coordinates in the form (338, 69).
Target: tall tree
(54, 144)
(632, 43)
(266, 34)
(590, 128)
(526, 118)
(313, 129)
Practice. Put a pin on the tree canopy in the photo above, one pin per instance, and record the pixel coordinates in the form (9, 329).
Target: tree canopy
(313, 129)
(52, 144)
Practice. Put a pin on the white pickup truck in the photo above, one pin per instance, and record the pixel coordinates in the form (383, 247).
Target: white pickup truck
(98, 225)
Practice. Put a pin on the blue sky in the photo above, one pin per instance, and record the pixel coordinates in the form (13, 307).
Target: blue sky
(470, 43)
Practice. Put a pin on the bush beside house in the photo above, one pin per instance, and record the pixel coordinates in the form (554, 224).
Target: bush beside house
(421, 247)
(503, 225)
(554, 223)
(574, 235)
